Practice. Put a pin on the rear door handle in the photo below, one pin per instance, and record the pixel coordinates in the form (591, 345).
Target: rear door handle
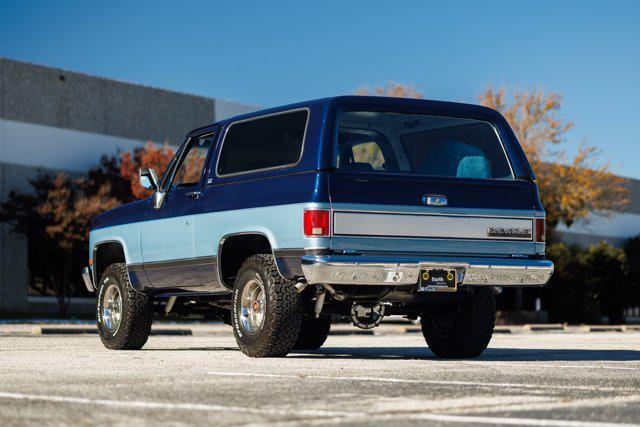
(194, 194)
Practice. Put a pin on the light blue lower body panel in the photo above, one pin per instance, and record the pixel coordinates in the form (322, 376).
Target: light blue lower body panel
(167, 239)
(128, 235)
(282, 225)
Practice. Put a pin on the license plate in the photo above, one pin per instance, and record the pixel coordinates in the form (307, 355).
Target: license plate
(437, 280)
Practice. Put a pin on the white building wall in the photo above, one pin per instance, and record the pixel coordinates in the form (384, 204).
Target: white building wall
(49, 147)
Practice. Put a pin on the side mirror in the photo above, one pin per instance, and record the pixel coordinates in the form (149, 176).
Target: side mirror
(148, 178)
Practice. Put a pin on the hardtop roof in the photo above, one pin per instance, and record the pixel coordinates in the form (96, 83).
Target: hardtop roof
(375, 102)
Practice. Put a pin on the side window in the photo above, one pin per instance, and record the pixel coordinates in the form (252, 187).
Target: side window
(263, 143)
(189, 170)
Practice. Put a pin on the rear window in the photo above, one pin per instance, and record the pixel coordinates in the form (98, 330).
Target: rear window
(263, 143)
(420, 144)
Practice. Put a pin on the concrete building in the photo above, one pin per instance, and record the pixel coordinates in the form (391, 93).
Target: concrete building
(614, 229)
(59, 120)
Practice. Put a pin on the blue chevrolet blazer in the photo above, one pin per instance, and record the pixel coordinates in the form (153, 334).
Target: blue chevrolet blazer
(281, 220)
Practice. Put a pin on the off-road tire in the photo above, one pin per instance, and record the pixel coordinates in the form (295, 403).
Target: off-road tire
(463, 330)
(314, 333)
(282, 311)
(137, 316)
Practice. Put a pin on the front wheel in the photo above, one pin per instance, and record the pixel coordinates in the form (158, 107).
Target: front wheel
(267, 313)
(124, 315)
(464, 330)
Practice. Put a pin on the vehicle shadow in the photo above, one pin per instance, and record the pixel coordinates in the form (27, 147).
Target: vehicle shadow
(408, 353)
(491, 354)
(192, 349)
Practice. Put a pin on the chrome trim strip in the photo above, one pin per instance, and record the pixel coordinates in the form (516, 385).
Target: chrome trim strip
(423, 226)
(290, 165)
(388, 271)
(504, 150)
(423, 212)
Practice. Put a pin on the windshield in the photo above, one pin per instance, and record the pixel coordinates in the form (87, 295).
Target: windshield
(381, 142)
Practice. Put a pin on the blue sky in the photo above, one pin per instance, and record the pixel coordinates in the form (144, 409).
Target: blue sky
(270, 53)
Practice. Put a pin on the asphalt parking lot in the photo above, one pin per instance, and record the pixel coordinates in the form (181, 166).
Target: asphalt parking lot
(537, 378)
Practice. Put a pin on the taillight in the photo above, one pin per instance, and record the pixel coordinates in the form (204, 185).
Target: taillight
(540, 229)
(316, 223)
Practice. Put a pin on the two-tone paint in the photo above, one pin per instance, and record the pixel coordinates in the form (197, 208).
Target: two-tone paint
(178, 246)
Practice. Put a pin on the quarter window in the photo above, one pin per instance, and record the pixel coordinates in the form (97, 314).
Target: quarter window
(263, 143)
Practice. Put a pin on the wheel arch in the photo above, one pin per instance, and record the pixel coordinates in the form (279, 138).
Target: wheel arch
(105, 253)
(235, 248)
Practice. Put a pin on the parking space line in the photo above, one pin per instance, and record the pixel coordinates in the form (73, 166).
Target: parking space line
(434, 382)
(536, 422)
(552, 366)
(168, 405)
(449, 418)
(561, 403)
(331, 416)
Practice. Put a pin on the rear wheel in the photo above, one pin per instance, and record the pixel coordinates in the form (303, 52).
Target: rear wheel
(463, 330)
(314, 333)
(124, 315)
(267, 315)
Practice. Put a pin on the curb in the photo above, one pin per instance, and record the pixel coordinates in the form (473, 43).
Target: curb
(550, 327)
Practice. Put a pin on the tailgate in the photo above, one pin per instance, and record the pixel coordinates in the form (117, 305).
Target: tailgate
(378, 213)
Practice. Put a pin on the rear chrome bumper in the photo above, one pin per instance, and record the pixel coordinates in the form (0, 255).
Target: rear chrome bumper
(86, 276)
(368, 270)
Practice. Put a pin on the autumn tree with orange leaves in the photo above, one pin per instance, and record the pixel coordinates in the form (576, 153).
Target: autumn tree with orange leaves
(55, 215)
(396, 90)
(149, 156)
(571, 187)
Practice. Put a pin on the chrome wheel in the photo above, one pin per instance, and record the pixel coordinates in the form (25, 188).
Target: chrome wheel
(112, 308)
(252, 306)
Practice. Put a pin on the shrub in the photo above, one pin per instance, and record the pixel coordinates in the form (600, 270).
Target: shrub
(587, 284)
(632, 253)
